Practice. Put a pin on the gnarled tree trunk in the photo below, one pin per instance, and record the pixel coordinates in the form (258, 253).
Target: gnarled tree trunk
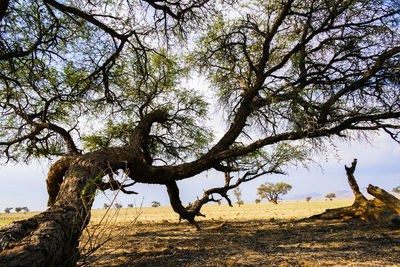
(384, 207)
(51, 238)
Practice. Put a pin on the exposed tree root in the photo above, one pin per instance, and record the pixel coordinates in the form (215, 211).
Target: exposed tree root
(385, 207)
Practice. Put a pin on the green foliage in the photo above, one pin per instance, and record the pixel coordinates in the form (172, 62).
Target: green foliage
(77, 76)
(308, 199)
(273, 159)
(272, 192)
(113, 134)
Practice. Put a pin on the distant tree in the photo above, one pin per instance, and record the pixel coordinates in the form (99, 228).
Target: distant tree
(106, 206)
(330, 196)
(258, 200)
(18, 209)
(155, 204)
(272, 192)
(118, 205)
(130, 205)
(25, 209)
(219, 201)
(7, 210)
(308, 199)
(396, 189)
(238, 194)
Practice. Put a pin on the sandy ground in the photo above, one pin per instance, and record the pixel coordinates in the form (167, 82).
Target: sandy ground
(252, 235)
(250, 243)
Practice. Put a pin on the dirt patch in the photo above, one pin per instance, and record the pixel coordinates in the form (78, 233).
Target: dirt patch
(250, 243)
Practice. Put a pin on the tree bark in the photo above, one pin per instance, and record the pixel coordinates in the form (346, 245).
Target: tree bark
(51, 238)
(390, 201)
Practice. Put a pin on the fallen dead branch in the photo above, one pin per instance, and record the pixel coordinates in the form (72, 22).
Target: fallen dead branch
(384, 207)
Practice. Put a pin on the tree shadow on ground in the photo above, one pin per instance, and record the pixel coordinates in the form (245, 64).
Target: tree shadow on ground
(255, 243)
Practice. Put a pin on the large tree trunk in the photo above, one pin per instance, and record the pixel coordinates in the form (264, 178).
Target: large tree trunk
(383, 208)
(51, 238)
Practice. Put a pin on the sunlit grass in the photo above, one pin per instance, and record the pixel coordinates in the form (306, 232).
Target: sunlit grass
(6, 218)
(263, 210)
(247, 211)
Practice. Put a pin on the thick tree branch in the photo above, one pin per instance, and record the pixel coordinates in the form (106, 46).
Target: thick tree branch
(90, 18)
(3, 8)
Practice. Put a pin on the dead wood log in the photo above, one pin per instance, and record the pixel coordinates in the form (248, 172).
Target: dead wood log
(390, 201)
(385, 207)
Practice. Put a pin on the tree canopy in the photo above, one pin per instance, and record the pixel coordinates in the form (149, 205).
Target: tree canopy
(272, 192)
(99, 87)
(330, 196)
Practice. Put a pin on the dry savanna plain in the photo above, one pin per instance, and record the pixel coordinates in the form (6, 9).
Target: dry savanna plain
(261, 234)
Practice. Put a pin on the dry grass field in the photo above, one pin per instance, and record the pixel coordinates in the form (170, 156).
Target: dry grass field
(248, 211)
(252, 235)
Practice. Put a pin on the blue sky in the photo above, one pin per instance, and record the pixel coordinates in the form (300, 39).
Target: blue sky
(378, 164)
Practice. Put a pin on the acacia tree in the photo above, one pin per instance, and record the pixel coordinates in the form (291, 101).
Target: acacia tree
(155, 204)
(7, 210)
(238, 195)
(283, 71)
(330, 196)
(272, 192)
